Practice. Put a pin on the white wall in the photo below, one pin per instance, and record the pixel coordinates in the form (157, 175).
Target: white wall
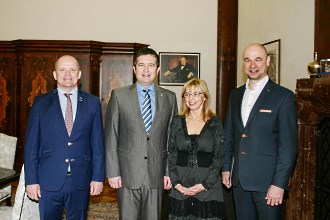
(292, 21)
(168, 26)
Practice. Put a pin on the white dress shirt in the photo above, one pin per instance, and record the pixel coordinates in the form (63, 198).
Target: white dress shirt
(250, 97)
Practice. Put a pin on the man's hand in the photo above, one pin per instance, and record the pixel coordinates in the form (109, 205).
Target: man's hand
(226, 179)
(96, 188)
(33, 191)
(274, 195)
(190, 75)
(167, 183)
(115, 182)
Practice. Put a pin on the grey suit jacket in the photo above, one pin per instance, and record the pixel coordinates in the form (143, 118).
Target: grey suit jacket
(130, 153)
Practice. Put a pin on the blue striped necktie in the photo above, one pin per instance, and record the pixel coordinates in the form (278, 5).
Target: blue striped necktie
(146, 111)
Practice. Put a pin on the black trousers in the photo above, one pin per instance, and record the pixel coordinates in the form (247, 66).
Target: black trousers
(251, 205)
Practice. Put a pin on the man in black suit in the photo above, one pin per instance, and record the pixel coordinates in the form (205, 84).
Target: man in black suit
(261, 140)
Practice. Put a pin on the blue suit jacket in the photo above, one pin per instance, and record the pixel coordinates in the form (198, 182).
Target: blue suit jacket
(49, 150)
(265, 150)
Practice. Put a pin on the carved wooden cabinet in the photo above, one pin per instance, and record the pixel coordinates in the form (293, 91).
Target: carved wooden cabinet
(26, 70)
(309, 196)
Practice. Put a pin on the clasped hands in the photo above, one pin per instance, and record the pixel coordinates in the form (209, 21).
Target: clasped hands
(191, 191)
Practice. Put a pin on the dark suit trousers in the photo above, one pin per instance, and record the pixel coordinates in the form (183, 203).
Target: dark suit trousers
(253, 206)
(51, 204)
(140, 204)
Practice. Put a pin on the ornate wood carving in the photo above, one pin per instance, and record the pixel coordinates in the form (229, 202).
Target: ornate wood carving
(4, 98)
(39, 82)
(313, 103)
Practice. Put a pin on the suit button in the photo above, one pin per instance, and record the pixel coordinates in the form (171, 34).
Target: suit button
(148, 138)
(67, 160)
(145, 157)
(244, 153)
(244, 136)
(70, 144)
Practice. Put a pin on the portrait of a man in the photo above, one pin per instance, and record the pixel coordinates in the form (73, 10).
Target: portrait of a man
(177, 69)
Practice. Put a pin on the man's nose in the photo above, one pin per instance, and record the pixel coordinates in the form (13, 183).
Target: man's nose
(253, 63)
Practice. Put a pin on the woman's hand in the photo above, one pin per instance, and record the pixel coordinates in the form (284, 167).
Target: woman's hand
(191, 190)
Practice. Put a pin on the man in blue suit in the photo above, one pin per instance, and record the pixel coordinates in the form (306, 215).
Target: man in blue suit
(64, 150)
(261, 141)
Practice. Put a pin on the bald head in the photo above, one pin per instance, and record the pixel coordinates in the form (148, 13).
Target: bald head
(256, 46)
(66, 58)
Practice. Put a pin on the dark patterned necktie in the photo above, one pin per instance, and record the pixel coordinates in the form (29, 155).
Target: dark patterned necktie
(68, 114)
(146, 111)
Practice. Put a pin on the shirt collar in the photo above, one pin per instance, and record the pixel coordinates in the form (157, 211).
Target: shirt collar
(261, 83)
(73, 92)
(140, 88)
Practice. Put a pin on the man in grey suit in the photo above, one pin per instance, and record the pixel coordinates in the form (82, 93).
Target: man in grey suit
(261, 141)
(136, 154)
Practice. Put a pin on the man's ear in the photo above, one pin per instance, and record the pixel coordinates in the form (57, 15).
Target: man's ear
(268, 60)
(54, 75)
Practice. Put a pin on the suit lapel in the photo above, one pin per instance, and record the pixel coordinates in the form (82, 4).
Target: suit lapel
(239, 99)
(135, 105)
(59, 123)
(79, 112)
(159, 107)
(261, 99)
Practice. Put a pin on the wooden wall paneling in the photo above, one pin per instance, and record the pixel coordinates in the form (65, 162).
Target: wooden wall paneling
(116, 71)
(7, 89)
(31, 64)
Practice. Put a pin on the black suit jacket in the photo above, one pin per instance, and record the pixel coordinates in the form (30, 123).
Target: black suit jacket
(264, 151)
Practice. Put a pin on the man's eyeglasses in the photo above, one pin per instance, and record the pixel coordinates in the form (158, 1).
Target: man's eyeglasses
(194, 95)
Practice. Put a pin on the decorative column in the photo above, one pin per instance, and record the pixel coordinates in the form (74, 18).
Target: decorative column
(226, 53)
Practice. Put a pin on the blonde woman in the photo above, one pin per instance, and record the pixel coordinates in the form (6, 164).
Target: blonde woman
(196, 151)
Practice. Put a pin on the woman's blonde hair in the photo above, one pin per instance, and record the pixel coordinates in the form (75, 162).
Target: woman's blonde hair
(200, 86)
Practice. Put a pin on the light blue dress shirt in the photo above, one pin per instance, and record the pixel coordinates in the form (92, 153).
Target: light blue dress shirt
(63, 101)
(152, 94)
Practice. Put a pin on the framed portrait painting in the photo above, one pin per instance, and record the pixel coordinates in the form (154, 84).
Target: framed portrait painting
(274, 51)
(178, 68)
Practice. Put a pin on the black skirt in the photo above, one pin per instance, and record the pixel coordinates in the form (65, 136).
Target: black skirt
(192, 207)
